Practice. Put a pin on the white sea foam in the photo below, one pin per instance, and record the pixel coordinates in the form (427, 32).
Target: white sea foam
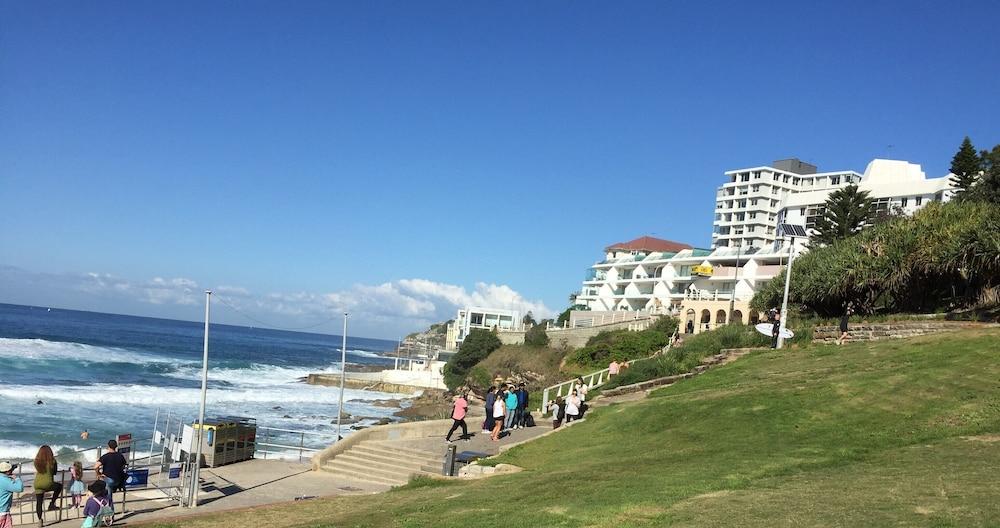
(41, 349)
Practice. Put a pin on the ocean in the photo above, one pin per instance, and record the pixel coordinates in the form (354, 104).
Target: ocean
(109, 374)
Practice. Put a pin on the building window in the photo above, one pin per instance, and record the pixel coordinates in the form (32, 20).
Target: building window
(834, 180)
(476, 319)
(904, 202)
(920, 200)
(756, 175)
(745, 177)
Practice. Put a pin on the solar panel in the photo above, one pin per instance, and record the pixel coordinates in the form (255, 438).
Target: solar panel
(792, 230)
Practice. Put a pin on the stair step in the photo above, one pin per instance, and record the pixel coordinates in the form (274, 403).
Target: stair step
(373, 479)
(410, 451)
(392, 465)
(379, 453)
(350, 467)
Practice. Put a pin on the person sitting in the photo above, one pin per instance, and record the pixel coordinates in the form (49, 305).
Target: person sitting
(45, 472)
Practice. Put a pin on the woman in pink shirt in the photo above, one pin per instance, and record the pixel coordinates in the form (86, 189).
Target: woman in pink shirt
(458, 418)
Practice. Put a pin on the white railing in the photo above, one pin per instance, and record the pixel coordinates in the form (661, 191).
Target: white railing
(594, 379)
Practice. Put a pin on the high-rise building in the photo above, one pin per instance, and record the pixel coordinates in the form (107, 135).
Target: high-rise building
(747, 205)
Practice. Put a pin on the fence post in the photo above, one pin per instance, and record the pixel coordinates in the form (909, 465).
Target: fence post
(267, 436)
(302, 441)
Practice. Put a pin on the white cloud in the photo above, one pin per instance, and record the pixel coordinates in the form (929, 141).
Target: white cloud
(386, 309)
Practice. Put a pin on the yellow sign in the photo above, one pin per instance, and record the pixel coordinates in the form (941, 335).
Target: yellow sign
(702, 271)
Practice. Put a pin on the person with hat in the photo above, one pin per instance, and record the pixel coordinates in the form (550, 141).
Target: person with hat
(9, 485)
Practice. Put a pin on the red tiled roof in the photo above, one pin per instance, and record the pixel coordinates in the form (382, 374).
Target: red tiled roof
(648, 243)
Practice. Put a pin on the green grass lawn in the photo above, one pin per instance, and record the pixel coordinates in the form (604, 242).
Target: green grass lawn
(898, 433)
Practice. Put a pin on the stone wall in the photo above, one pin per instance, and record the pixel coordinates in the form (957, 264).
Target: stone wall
(878, 331)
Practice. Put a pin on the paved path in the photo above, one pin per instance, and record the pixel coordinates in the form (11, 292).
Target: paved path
(478, 441)
(241, 485)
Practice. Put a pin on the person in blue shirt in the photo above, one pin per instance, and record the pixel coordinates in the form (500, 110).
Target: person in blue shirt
(9, 485)
(520, 421)
(510, 398)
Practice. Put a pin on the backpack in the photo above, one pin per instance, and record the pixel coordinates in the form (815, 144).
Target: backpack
(104, 516)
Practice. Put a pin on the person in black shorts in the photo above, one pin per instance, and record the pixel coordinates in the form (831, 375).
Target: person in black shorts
(843, 324)
(112, 466)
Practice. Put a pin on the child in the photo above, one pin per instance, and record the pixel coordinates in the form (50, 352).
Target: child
(76, 487)
(98, 506)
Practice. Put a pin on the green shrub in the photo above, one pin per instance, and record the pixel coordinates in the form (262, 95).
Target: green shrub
(623, 345)
(686, 357)
(944, 256)
(536, 336)
(475, 348)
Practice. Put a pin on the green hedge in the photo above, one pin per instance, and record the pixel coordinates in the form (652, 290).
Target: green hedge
(623, 345)
(687, 356)
(475, 348)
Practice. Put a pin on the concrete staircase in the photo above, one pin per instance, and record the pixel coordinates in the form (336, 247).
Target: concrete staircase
(384, 462)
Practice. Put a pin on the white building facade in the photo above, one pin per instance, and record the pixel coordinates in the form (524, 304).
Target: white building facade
(701, 286)
(696, 285)
(896, 187)
(747, 205)
(468, 319)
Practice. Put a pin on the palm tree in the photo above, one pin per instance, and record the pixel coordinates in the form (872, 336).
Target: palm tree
(847, 212)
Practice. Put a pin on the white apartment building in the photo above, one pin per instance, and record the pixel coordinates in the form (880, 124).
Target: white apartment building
(895, 185)
(747, 205)
(692, 284)
(474, 317)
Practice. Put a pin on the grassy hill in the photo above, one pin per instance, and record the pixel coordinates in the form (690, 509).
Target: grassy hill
(899, 433)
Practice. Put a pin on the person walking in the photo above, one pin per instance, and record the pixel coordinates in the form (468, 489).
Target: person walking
(499, 411)
(522, 407)
(9, 485)
(775, 327)
(491, 396)
(458, 418)
(689, 328)
(613, 368)
(112, 466)
(581, 391)
(844, 319)
(510, 397)
(45, 473)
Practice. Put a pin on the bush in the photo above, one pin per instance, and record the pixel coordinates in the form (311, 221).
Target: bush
(623, 345)
(475, 348)
(536, 336)
(944, 256)
(688, 356)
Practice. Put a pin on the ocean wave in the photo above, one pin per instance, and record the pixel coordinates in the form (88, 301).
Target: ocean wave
(257, 374)
(153, 396)
(41, 349)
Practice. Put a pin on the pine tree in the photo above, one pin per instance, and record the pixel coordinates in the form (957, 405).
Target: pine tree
(965, 166)
(988, 188)
(848, 210)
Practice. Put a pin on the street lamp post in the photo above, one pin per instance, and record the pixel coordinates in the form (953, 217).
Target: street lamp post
(343, 376)
(732, 296)
(193, 503)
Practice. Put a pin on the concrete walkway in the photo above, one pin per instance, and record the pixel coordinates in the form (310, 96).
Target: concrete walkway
(241, 485)
(478, 441)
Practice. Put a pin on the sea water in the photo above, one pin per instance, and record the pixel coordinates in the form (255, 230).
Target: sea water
(110, 374)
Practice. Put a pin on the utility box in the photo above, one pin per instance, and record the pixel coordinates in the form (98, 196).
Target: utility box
(227, 439)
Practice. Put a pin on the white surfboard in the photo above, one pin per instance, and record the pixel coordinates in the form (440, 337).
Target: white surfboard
(765, 328)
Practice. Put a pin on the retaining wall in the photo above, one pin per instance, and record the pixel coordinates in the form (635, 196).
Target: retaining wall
(878, 331)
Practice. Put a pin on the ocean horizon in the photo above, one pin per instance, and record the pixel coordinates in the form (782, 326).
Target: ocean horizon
(65, 371)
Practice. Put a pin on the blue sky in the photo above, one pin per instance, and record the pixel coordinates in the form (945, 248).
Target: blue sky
(402, 158)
